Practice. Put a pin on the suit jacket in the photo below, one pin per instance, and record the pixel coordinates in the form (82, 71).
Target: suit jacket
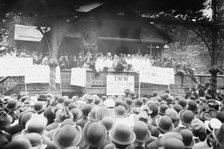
(202, 145)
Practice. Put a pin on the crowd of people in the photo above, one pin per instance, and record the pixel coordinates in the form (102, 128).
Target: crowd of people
(100, 62)
(47, 121)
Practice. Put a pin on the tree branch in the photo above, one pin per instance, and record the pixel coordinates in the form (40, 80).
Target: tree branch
(45, 37)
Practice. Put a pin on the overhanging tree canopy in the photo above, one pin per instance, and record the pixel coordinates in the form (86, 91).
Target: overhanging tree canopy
(59, 15)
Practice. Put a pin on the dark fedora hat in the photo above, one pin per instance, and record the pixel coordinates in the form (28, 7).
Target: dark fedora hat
(132, 95)
(108, 122)
(162, 109)
(34, 138)
(68, 135)
(169, 143)
(95, 134)
(153, 109)
(220, 116)
(5, 119)
(182, 102)
(164, 124)
(86, 109)
(218, 135)
(192, 105)
(19, 143)
(204, 116)
(12, 104)
(141, 131)
(186, 116)
(198, 128)
(122, 134)
(63, 114)
(38, 106)
(77, 114)
(120, 111)
(187, 136)
(24, 117)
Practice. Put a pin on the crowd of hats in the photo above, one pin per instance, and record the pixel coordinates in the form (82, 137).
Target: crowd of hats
(163, 121)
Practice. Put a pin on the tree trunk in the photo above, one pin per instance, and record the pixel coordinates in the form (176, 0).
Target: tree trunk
(214, 69)
(213, 82)
(214, 54)
(52, 83)
(58, 31)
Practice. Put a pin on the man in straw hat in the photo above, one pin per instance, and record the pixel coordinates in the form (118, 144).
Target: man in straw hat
(214, 140)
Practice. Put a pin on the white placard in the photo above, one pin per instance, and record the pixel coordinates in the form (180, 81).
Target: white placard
(78, 77)
(40, 74)
(170, 75)
(28, 33)
(157, 75)
(14, 66)
(117, 83)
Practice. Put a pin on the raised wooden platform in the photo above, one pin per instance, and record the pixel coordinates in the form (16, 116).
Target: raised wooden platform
(97, 84)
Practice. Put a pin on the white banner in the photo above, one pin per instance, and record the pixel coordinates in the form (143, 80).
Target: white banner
(117, 83)
(28, 33)
(78, 77)
(40, 74)
(14, 66)
(157, 75)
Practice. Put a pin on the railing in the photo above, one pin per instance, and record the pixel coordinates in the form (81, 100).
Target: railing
(7, 83)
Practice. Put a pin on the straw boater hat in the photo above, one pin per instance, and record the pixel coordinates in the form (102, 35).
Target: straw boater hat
(172, 114)
(92, 114)
(109, 103)
(36, 123)
(214, 123)
(102, 112)
(171, 140)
